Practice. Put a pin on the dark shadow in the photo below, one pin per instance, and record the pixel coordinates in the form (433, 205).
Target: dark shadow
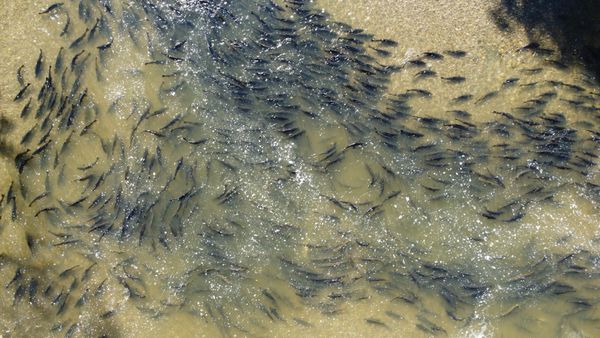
(574, 25)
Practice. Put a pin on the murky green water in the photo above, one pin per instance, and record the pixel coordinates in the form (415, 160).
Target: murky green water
(289, 168)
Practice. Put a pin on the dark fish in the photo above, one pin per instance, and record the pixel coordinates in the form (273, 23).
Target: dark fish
(39, 65)
(432, 56)
(302, 322)
(425, 74)
(532, 70)
(93, 30)
(535, 48)
(37, 198)
(58, 64)
(26, 110)
(78, 41)
(386, 42)
(417, 63)
(106, 45)
(20, 78)
(84, 11)
(19, 293)
(20, 94)
(67, 242)
(17, 277)
(74, 59)
(462, 98)
(376, 322)
(381, 52)
(33, 286)
(50, 209)
(455, 79)
(178, 45)
(89, 166)
(556, 64)
(52, 8)
(87, 128)
(71, 331)
(487, 97)
(420, 92)
(456, 53)
(510, 82)
(530, 84)
(65, 29)
(195, 142)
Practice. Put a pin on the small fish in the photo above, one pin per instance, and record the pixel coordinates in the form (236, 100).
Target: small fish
(536, 48)
(58, 64)
(195, 142)
(381, 52)
(510, 82)
(19, 294)
(26, 109)
(39, 65)
(74, 59)
(87, 128)
(530, 84)
(462, 98)
(302, 322)
(456, 53)
(487, 97)
(386, 42)
(39, 197)
(52, 8)
(433, 56)
(32, 289)
(50, 209)
(65, 29)
(20, 76)
(421, 92)
(455, 79)
(417, 63)
(178, 45)
(89, 166)
(94, 29)
(556, 64)
(376, 322)
(425, 74)
(77, 41)
(532, 70)
(106, 45)
(20, 94)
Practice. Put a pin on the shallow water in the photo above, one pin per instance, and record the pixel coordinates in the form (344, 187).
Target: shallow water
(260, 168)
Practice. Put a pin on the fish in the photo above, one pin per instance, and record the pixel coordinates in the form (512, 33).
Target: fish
(26, 110)
(51, 8)
(462, 98)
(20, 78)
(376, 322)
(77, 42)
(432, 56)
(417, 63)
(420, 92)
(39, 65)
(66, 27)
(425, 74)
(386, 42)
(454, 79)
(556, 64)
(536, 48)
(510, 82)
(487, 97)
(456, 53)
(532, 71)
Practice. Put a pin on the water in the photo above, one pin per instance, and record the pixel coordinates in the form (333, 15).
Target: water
(263, 169)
